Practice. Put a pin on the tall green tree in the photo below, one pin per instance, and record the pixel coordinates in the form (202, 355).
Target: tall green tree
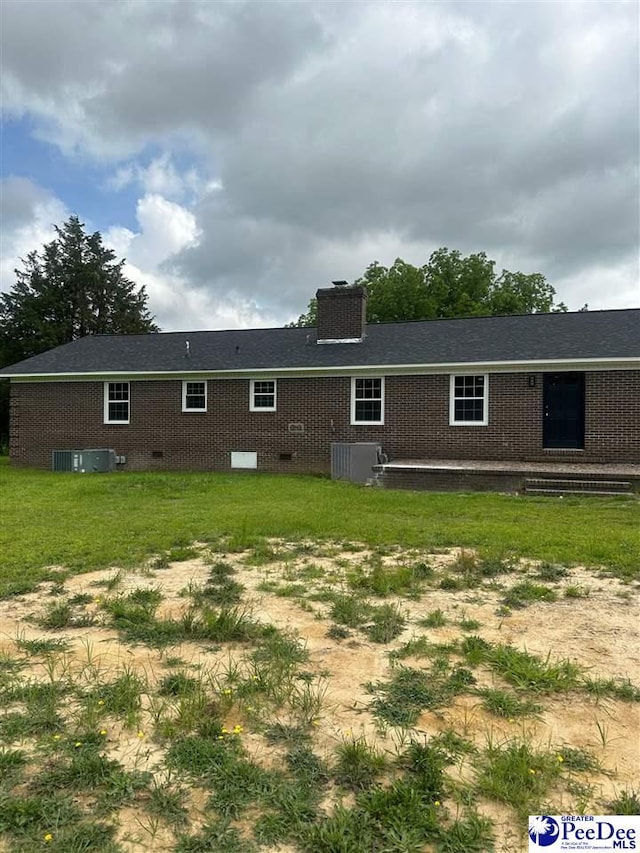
(395, 293)
(72, 287)
(517, 293)
(458, 286)
(448, 285)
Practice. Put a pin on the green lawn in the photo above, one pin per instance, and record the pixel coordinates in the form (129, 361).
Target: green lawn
(86, 522)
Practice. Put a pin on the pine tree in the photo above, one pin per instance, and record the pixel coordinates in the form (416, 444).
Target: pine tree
(72, 287)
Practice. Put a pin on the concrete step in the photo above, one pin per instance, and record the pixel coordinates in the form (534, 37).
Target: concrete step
(576, 486)
(591, 492)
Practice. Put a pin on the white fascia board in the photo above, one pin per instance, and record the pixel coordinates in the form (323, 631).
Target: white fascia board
(528, 366)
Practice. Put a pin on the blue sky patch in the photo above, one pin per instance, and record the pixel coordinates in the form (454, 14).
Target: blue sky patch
(80, 183)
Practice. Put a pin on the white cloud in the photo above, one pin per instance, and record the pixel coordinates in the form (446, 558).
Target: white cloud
(123, 177)
(31, 230)
(160, 177)
(179, 307)
(603, 287)
(164, 229)
(329, 135)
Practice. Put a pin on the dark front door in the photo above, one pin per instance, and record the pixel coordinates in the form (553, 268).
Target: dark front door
(563, 404)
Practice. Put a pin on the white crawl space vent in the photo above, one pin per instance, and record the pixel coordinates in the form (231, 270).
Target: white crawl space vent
(244, 459)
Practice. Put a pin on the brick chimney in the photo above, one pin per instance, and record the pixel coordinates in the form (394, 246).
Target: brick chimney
(342, 313)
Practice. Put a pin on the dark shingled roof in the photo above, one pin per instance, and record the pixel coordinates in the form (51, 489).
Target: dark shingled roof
(599, 335)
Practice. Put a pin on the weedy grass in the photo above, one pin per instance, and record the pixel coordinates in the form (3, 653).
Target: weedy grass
(467, 624)
(614, 688)
(349, 610)
(262, 553)
(86, 769)
(435, 619)
(381, 623)
(180, 554)
(505, 704)
(403, 815)
(358, 765)
(179, 684)
(471, 570)
(227, 624)
(417, 647)
(291, 735)
(550, 572)
(580, 760)
(292, 807)
(387, 622)
(61, 614)
(576, 591)
(12, 761)
(41, 645)
(400, 700)
(525, 593)
(285, 590)
(196, 755)
(44, 815)
(123, 695)
(520, 668)
(626, 803)
(530, 672)
(133, 615)
(308, 769)
(515, 773)
(452, 745)
(471, 834)
(40, 706)
(217, 835)
(375, 578)
(167, 801)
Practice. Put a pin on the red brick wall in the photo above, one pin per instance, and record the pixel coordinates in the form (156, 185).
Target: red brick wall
(342, 313)
(69, 415)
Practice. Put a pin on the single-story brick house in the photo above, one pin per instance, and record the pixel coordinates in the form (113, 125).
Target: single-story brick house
(533, 388)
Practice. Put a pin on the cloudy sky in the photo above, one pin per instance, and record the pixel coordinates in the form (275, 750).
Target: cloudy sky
(242, 154)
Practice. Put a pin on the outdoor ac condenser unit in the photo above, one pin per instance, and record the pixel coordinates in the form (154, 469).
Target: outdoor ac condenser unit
(84, 461)
(354, 461)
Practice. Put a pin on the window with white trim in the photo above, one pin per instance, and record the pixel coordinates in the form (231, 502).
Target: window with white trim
(468, 400)
(116, 402)
(367, 400)
(194, 396)
(262, 395)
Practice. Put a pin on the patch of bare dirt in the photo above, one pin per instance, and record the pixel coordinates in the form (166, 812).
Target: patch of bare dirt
(598, 631)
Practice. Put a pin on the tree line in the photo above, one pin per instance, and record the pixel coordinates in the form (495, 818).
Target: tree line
(448, 285)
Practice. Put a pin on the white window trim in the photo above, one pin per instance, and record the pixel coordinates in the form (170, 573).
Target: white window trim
(354, 422)
(106, 402)
(191, 410)
(452, 401)
(252, 406)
